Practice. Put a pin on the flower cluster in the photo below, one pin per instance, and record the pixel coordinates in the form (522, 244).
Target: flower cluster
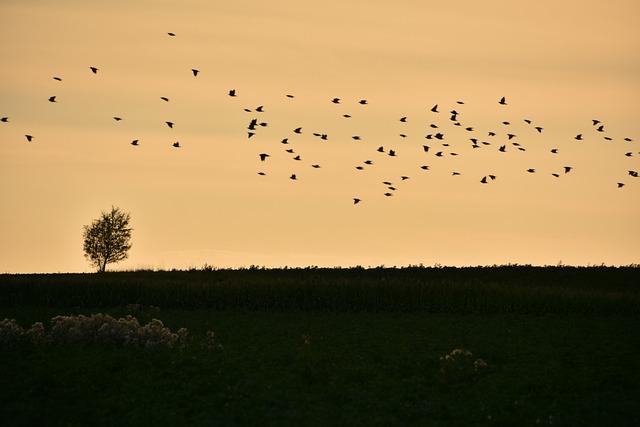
(459, 365)
(94, 329)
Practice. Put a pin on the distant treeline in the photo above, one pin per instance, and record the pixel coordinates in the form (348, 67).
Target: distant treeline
(498, 289)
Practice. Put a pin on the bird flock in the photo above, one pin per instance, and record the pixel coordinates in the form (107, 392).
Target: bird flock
(435, 141)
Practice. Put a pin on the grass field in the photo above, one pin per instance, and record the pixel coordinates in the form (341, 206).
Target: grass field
(334, 347)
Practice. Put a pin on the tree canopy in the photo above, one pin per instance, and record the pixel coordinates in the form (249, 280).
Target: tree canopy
(107, 239)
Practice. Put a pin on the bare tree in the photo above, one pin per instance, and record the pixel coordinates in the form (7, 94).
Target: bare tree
(106, 240)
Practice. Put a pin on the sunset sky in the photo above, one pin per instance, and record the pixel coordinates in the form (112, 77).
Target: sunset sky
(559, 63)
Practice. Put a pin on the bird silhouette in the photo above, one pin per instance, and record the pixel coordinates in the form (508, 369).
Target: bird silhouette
(531, 170)
(579, 137)
(195, 72)
(232, 92)
(502, 101)
(356, 200)
(455, 173)
(567, 169)
(404, 178)
(293, 177)
(388, 194)
(164, 98)
(633, 173)
(403, 119)
(425, 148)
(554, 150)
(527, 121)
(171, 34)
(629, 154)
(336, 100)
(57, 78)
(620, 184)
(297, 157)
(596, 122)
(176, 144)
(290, 150)
(315, 166)
(493, 177)
(439, 154)
(252, 124)
(628, 139)
(363, 101)
(250, 134)
(94, 70)
(539, 129)
(506, 123)
(600, 128)
(52, 99)
(29, 138)
(298, 130)
(285, 141)
(356, 137)
(4, 119)
(117, 119)
(263, 156)
(260, 109)
(380, 150)
(170, 124)
(556, 175)
(510, 136)
(359, 168)
(323, 137)
(424, 167)
(368, 162)
(484, 180)
(134, 142)
(435, 109)
(261, 173)
(392, 153)
(346, 115)
(503, 148)
(608, 138)
(492, 134)
(289, 96)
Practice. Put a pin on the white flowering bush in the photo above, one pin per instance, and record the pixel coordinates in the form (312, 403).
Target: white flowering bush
(459, 366)
(94, 329)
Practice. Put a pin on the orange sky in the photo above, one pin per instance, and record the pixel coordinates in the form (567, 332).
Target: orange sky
(560, 64)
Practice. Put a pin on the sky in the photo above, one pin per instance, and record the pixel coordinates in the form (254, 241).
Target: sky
(558, 63)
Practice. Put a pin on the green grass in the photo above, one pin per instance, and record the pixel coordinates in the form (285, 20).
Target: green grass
(559, 348)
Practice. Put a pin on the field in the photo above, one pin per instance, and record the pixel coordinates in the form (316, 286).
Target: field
(334, 347)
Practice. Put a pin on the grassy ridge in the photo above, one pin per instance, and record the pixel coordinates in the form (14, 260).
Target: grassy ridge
(481, 290)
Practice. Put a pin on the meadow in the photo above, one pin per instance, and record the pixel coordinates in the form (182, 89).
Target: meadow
(322, 346)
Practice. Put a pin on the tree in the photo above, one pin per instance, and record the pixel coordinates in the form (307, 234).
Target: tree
(106, 240)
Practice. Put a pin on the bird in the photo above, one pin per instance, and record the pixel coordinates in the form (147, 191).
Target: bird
(195, 72)
(506, 123)
(554, 150)
(629, 154)
(346, 115)
(290, 151)
(260, 109)
(439, 154)
(433, 126)
(453, 154)
(502, 101)
(503, 148)
(628, 139)
(247, 110)
(633, 173)
(261, 173)
(539, 129)
(511, 136)
(293, 177)
(94, 70)
(134, 142)
(250, 134)
(455, 173)
(285, 141)
(620, 184)
(170, 124)
(435, 109)
(298, 130)
(596, 122)
(531, 170)
(392, 188)
(289, 96)
(171, 34)
(368, 162)
(252, 124)
(403, 119)
(469, 129)
(425, 148)
(356, 200)
(579, 137)
(608, 138)
(356, 137)
(315, 166)
(380, 150)
(493, 177)
(386, 183)
(297, 157)
(460, 102)
(556, 175)
(527, 121)
(567, 169)
(29, 138)
(392, 153)
(232, 92)
(57, 78)
(52, 99)
(336, 100)
(359, 168)
(176, 144)
(324, 136)
(484, 180)
(164, 98)
(263, 156)
(439, 136)
(600, 128)
(363, 101)
(388, 194)
(263, 124)
(4, 119)
(404, 178)
(117, 119)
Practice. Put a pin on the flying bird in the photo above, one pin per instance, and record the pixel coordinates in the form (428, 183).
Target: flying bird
(484, 180)
(539, 129)
(356, 200)
(232, 92)
(392, 153)
(455, 173)
(263, 156)
(388, 194)
(164, 98)
(425, 148)
(261, 173)
(596, 122)
(567, 169)
(502, 101)
(556, 175)
(628, 139)
(346, 115)
(600, 128)
(527, 121)
(356, 137)
(289, 96)
(503, 148)
(336, 100)
(176, 144)
(439, 154)
(403, 119)
(363, 101)
(620, 184)
(94, 70)
(368, 162)
(170, 124)
(315, 166)
(404, 178)
(297, 157)
(195, 72)
(4, 119)
(171, 34)
(29, 138)
(290, 150)
(511, 136)
(260, 109)
(52, 99)
(554, 150)
(250, 134)
(57, 78)
(298, 130)
(285, 141)
(359, 168)
(117, 119)
(579, 137)
(435, 109)
(134, 142)
(633, 173)
(531, 170)
(380, 150)
(293, 177)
